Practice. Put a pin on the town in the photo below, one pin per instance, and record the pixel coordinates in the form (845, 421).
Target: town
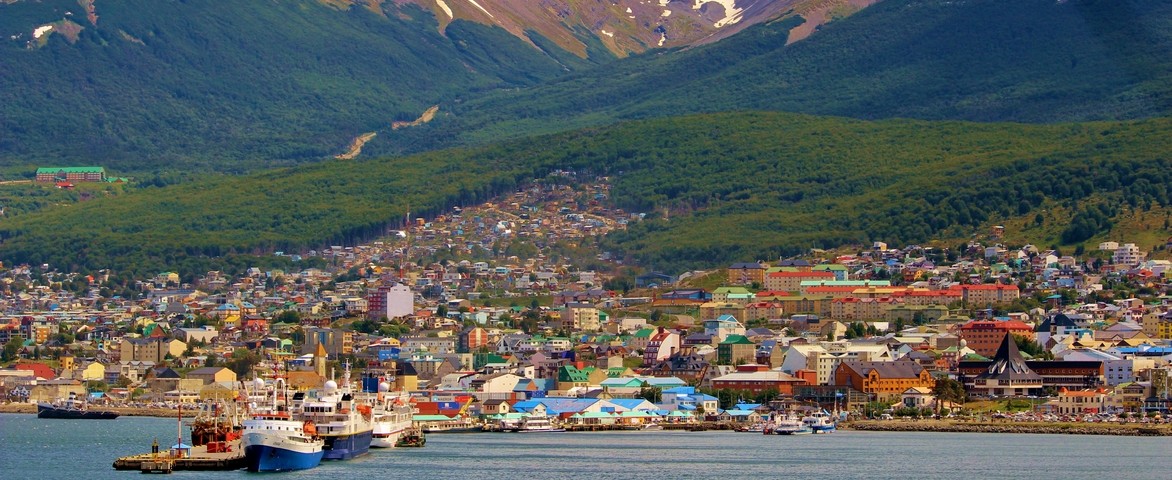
(538, 328)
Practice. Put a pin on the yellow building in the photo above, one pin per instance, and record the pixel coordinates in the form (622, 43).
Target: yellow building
(94, 371)
(210, 375)
(152, 349)
(713, 310)
(1157, 325)
(580, 316)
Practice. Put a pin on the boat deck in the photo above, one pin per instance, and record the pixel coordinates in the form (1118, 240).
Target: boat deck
(199, 459)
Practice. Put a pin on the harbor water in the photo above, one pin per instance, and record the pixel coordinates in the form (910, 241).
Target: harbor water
(32, 448)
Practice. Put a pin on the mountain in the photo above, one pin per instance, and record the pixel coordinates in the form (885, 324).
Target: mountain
(1036, 61)
(629, 26)
(146, 85)
(731, 186)
(199, 85)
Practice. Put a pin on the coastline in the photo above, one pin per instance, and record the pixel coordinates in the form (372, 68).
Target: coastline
(943, 426)
(1066, 428)
(31, 408)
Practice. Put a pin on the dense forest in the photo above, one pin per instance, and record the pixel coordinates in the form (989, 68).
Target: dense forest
(200, 85)
(716, 188)
(1036, 61)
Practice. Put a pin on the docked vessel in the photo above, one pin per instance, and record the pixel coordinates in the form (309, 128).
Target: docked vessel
(218, 421)
(789, 425)
(537, 424)
(345, 423)
(72, 409)
(392, 417)
(274, 442)
(820, 422)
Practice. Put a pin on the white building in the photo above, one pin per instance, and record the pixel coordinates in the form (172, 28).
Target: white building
(400, 302)
(824, 358)
(1128, 254)
(723, 326)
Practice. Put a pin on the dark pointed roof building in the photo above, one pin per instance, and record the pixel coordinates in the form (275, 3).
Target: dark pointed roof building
(1008, 374)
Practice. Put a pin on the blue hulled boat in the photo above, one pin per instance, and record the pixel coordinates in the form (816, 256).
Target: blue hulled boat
(343, 422)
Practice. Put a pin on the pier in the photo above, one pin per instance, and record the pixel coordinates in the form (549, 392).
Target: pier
(232, 458)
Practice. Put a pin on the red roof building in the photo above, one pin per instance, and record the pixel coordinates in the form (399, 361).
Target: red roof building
(985, 336)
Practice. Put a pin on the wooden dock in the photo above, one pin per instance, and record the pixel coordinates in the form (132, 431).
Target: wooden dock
(198, 459)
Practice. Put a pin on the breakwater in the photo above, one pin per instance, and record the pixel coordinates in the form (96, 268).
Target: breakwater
(1128, 429)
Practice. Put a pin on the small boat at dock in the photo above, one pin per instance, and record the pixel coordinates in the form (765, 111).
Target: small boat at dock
(72, 409)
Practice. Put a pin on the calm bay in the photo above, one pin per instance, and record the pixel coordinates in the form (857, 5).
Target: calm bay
(32, 448)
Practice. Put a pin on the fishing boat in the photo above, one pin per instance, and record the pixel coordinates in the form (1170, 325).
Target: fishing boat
(218, 421)
(820, 422)
(345, 423)
(274, 441)
(537, 424)
(413, 437)
(73, 409)
(392, 417)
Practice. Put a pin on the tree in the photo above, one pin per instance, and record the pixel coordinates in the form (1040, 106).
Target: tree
(288, 316)
(651, 394)
(1031, 348)
(656, 315)
(11, 349)
(242, 362)
(949, 390)
(124, 381)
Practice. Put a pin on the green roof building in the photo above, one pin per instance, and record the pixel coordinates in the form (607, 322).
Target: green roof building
(74, 174)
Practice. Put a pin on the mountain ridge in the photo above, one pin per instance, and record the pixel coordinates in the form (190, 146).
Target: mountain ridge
(929, 59)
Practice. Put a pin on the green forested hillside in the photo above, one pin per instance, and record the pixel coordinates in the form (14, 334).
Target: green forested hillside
(1035, 61)
(733, 186)
(231, 85)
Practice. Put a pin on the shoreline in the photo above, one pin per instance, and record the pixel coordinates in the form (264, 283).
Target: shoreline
(1064, 428)
(31, 409)
(940, 426)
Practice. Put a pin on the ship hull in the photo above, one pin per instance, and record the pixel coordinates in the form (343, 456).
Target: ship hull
(345, 447)
(387, 434)
(265, 458)
(49, 411)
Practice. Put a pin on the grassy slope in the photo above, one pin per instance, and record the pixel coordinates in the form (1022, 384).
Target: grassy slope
(736, 186)
(983, 60)
(233, 86)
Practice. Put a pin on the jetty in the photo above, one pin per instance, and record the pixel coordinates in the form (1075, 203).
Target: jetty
(214, 456)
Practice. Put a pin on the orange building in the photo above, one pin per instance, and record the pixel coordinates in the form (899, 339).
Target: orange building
(746, 274)
(757, 379)
(985, 336)
(885, 380)
(987, 294)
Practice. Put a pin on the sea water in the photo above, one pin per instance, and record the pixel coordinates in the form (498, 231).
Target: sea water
(32, 448)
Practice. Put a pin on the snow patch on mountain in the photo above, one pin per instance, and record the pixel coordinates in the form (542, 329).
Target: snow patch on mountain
(443, 6)
(732, 14)
(477, 5)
